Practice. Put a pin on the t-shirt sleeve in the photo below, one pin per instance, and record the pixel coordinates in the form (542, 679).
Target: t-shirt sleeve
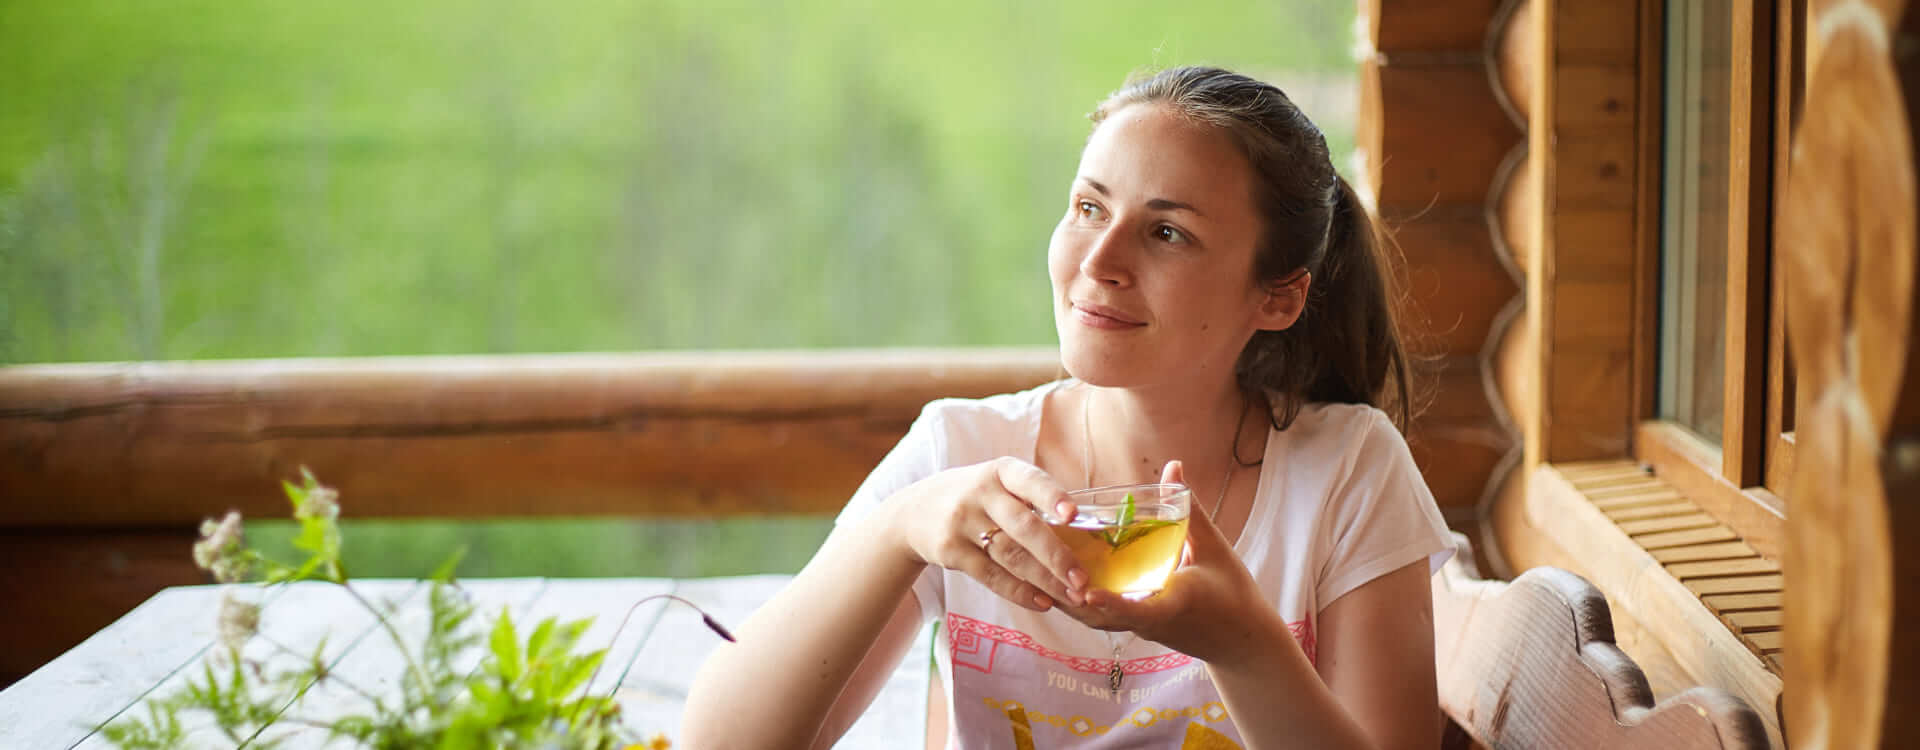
(1382, 517)
(921, 454)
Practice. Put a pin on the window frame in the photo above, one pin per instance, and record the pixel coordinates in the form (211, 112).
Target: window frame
(1740, 480)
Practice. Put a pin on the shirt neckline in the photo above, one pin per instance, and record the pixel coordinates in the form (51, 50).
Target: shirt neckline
(1244, 547)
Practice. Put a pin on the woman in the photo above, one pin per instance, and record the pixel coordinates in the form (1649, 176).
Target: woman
(1223, 311)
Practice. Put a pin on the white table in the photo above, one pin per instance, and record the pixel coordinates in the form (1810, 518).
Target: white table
(648, 666)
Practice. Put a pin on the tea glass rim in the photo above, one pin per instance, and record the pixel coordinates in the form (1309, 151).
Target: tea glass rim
(1177, 488)
(1178, 495)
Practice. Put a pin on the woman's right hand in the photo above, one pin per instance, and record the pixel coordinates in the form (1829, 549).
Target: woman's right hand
(939, 521)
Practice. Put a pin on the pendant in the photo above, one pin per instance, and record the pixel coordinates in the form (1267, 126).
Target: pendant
(1114, 675)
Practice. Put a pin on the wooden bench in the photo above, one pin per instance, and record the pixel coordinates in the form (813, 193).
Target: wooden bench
(1532, 664)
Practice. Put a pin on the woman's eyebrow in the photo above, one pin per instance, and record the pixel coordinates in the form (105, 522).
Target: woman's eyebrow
(1157, 204)
(1162, 204)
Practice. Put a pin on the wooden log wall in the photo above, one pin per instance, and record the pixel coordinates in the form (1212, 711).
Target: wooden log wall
(1579, 214)
(1436, 142)
(1848, 251)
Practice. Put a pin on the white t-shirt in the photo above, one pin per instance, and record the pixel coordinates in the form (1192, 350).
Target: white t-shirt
(1339, 503)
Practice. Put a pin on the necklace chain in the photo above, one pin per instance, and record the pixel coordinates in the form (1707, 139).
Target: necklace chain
(1116, 673)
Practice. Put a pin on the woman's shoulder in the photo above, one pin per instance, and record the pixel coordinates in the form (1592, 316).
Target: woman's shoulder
(1339, 430)
(976, 429)
(1323, 417)
(1012, 408)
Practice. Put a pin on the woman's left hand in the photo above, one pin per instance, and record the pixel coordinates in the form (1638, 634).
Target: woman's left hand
(1210, 608)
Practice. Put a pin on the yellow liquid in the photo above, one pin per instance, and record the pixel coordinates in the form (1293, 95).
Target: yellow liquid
(1138, 565)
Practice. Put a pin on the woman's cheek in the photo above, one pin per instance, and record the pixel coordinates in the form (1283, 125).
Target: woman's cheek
(1057, 263)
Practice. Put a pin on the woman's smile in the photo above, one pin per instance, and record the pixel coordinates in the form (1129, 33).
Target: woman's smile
(1103, 317)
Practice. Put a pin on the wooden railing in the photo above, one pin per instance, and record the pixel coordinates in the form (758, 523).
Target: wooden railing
(107, 469)
(701, 434)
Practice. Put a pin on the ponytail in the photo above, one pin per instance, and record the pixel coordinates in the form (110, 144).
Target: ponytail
(1345, 347)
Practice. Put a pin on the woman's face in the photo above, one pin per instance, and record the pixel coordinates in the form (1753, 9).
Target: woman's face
(1152, 265)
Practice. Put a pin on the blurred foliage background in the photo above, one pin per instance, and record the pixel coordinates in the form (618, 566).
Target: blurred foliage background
(185, 179)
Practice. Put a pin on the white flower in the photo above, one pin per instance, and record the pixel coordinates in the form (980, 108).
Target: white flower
(203, 549)
(218, 550)
(238, 621)
(322, 502)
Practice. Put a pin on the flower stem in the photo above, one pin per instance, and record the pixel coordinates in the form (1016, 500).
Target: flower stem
(419, 675)
(328, 675)
(711, 623)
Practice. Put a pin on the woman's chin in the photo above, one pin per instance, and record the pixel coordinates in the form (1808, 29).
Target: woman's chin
(1099, 366)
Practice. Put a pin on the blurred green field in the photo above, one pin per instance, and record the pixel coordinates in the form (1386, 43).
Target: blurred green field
(195, 179)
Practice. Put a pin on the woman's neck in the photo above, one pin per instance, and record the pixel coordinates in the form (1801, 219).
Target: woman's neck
(1133, 432)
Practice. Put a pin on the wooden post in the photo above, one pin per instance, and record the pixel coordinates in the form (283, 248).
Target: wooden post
(1848, 252)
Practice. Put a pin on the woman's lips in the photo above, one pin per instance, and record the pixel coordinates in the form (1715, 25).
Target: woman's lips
(1100, 316)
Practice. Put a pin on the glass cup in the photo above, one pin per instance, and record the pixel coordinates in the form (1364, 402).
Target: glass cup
(1127, 537)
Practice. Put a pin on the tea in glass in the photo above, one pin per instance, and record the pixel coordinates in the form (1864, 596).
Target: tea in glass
(1128, 537)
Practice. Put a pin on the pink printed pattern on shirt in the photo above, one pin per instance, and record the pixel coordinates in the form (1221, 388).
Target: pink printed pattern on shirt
(972, 643)
(1303, 632)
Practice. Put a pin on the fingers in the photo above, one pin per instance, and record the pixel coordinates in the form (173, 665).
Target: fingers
(1106, 610)
(1032, 552)
(1003, 582)
(1029, 493)
(1204, 540)
(1174, 472)
(1034, 487)
(1122, 608)
(1205, 543)
(1022, 562)
(1018, 563)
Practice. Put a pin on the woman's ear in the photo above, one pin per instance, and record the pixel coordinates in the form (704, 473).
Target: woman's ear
(1286, 299)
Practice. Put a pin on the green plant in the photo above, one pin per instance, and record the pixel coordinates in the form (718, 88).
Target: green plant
(529, 690)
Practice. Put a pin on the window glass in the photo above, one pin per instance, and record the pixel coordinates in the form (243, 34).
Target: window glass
(1693, 245)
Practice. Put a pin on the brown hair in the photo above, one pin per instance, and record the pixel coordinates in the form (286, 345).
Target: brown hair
(1346, 346)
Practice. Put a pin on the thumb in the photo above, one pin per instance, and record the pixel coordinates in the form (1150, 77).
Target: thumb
(1205, 542)
(1173, 473)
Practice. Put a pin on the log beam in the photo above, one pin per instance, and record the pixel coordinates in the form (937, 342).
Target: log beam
(166, 444)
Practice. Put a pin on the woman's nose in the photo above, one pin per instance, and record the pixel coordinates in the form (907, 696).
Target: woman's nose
(1106, 259)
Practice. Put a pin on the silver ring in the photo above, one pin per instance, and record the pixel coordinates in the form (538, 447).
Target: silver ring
(986, 538)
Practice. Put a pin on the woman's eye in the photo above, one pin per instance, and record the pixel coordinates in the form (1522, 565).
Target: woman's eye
(1170, 235)
(1088, 209)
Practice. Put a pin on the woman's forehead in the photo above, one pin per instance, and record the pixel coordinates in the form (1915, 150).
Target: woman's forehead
(1147, 152)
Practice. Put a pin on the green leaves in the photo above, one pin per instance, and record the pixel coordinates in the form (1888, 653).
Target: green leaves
(1125, 530)
(444, 573)
(506, 650)
(527, 692)
(1112, 534)
(317, 510)
(163, 732)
